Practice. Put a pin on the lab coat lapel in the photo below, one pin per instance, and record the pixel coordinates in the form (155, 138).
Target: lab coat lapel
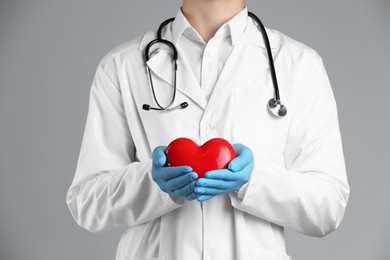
(188, 84)
(162, 68)
(245, 62)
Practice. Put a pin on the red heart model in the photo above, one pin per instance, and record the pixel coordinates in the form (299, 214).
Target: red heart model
(214, 154)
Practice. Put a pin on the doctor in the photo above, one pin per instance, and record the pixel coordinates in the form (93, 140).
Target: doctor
(289, 171)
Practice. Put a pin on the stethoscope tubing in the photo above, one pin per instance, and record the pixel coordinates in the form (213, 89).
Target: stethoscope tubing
(274, 104)
(269, 54)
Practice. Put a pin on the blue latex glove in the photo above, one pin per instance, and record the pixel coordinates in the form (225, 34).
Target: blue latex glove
(227, 180)
(176, 181)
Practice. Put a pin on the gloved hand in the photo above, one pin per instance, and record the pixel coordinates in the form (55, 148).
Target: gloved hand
(176, 181)
(227, 180)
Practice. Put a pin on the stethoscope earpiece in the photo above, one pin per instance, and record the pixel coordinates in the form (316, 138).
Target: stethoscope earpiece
(184, 105)
(148, 107)
(277, 108)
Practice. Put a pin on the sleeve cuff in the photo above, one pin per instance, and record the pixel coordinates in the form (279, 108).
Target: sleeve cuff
(176, 200)
(242, 191)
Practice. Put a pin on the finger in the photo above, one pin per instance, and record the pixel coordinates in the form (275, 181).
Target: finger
(217, 184)
(244, 157)
(210, 191)
(222, 175)
(239, 148)
(168, 173)
(186, 190)
(159, 157)
(201, 198)
(181, 181)
(192, 196)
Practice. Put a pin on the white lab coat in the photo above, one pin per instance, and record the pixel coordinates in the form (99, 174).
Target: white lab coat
(299, 178)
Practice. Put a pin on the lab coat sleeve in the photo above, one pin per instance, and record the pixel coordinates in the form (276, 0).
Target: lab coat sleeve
(110, 187)
(307, 190)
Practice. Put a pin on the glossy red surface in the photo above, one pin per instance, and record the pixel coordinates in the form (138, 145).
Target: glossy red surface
(214, 154)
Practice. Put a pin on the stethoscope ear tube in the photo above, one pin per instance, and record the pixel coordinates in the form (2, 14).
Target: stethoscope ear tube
(162, 25)
(170, 44)
(148, 107)
(172, 47)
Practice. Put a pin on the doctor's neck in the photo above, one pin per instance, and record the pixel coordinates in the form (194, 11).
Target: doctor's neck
(207, 16)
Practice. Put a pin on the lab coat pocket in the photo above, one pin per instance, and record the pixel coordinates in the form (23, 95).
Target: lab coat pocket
(254, 124)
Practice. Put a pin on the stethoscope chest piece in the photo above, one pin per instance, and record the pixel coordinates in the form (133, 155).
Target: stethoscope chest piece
(276, 107)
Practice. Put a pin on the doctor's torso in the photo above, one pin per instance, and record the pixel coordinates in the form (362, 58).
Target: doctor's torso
(234, 108)
(227, 97)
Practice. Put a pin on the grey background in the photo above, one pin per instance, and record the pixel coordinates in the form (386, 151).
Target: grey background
(49, 51)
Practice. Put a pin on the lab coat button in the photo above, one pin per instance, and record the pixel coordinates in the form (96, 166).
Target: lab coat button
(206, 128)
(208, 97)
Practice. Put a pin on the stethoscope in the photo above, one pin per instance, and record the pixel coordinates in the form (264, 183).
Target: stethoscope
(274, 104)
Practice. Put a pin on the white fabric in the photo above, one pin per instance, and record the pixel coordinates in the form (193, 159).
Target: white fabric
(299, 179)
(207, 60)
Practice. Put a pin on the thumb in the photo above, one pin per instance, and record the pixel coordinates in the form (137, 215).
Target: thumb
(244, 158)
(159, 158)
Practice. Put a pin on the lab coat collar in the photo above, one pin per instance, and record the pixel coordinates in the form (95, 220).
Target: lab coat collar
(251, 29)
(236, 26)
(252, 32)
(179, 25)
